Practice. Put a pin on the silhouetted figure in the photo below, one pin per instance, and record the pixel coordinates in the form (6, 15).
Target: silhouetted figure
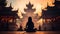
(30, 25)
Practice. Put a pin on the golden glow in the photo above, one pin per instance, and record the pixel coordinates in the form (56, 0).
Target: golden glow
(40, 21)
(21, 4)
(39, 5)
(17, 5)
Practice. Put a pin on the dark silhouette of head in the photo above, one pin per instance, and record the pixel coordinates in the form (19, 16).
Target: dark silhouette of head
(29, 19)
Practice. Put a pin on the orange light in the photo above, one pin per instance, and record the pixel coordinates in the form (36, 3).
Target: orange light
(39, 5)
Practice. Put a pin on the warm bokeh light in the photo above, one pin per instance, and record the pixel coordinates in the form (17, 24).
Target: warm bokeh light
(39, 5)
(21, 4)
(18, 5)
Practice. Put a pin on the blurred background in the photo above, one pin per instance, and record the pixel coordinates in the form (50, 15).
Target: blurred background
(12, 19)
